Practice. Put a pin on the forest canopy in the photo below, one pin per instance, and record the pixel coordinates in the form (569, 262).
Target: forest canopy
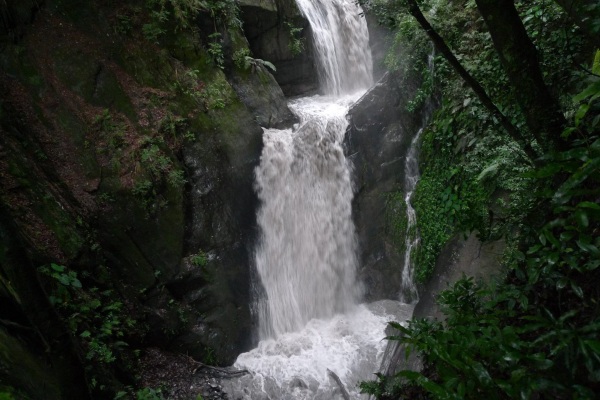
(513, 154)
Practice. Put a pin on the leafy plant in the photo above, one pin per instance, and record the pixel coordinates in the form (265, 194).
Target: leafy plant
(535, 334)
(199, 259)
(149, 394)
(215, 49)
(296, 43)
(215, 95)
(95, 316)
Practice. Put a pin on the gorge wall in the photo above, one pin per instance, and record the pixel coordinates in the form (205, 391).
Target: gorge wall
(127, 156)
(377, 141)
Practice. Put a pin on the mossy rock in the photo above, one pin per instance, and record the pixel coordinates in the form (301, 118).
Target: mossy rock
(21, 369)
(92, 80)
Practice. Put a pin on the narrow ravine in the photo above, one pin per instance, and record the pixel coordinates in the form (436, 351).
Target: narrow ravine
(312, 328)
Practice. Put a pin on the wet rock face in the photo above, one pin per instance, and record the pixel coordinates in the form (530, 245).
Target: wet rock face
(221, 220)
(460, 257)
(380, 39)
(267, 25)
(376, 143)
(118, 162)
(259, 91)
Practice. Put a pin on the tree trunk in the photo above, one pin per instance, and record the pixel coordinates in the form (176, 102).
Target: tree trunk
(519, 59)
(443, 48)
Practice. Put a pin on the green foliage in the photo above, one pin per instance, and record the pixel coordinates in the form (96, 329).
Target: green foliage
(209, 357)
(215, 49)
(296, 44)
(253, 63)
(397, 221)
(6, 395)
(96, 317)
(159, 165)
(175, 127)
(183, 12)
(217, 94)
(146, 393)
(152, 31)
(199, 259)
(66, 278)
(596, 64)
(149, 394)
(535, 334)
(239, 58)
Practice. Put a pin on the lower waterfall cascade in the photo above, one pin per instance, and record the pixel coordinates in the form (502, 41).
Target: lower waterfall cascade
(316, 340)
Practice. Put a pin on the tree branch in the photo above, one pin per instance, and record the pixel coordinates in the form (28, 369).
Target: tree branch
(443, 48)
(519, 59)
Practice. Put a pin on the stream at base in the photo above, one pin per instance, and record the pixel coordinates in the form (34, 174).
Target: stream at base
(310, 321)
(295, 365)
(316, 340)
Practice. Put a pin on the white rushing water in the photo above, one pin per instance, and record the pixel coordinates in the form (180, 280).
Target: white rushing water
(408, 292)
(306, 259)
(341, 43)
(309, 318)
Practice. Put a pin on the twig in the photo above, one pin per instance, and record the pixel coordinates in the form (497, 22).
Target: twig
(218, 369)
(337, 380)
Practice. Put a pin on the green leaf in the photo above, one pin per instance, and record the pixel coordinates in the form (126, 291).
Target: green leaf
(594, 345)
(490, 169)
(561, 283)
(577, 289)
(424, 382)
(591, 90)
(57, 268)
(581, 112)
(588, 248)
(589, 204)
(565, 191)
(582, 218)
(64, 279)
(482, 374)
(269, 65)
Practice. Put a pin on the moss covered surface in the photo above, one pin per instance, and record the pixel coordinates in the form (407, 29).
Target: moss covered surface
(120, 155)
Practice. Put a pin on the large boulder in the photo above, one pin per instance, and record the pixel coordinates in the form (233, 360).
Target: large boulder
(128, 163)
(377, 140)
(272, 27)
(259, 91)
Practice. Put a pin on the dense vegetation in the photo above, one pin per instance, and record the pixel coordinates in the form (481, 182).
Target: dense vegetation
(98, 102)
(513, 154)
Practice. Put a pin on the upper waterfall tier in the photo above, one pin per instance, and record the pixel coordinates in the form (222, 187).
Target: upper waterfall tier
(341, 42)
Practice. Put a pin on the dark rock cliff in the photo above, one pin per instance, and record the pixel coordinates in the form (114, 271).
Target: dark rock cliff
(271, 27)
(126, 191)
(377, 140)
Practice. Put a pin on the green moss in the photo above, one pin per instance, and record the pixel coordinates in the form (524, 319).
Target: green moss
(16, 61)
(91, 80)
(396, 220)
(47, 206)
(20, 369)
(76, 131)
(433, 225)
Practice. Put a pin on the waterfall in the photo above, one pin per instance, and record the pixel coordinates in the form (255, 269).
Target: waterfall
(306, 258)
(408, 292)
(341, 43)
(311, 328)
